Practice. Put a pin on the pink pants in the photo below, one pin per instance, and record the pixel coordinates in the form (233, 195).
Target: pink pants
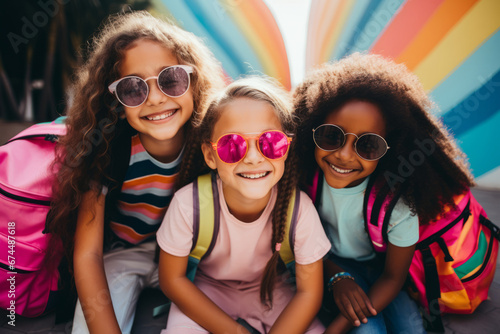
(236, 303)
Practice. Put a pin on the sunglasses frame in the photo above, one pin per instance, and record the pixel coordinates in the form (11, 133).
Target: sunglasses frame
(187, 68)
(246, 138)
(355, 143)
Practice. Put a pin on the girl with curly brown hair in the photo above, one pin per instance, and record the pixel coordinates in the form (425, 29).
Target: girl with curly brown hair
(245, 137)
(144, 86)
(367, 120)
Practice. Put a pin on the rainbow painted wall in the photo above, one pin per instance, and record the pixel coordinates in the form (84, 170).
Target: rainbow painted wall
(452, 45)
(243, 35)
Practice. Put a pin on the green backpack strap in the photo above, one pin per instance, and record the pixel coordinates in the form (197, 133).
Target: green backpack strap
(286, 251)
(205, 226)
(206, 220)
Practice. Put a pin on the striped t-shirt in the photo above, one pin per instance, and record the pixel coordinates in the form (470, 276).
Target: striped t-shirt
(145, 195)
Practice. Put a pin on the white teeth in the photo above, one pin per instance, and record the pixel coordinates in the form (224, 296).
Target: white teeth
(160, 117)
(341, 171)
(253, 176)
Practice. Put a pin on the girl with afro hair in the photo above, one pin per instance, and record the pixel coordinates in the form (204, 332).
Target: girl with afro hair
(366, 120)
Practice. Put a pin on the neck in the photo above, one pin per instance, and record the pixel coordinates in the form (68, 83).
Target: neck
(245, 210)
(164, 150)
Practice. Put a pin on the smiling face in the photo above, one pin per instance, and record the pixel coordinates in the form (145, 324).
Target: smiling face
(343, 168)
(160, 118)
(247, 184)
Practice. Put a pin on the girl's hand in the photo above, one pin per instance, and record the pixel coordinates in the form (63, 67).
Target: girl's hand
(352, 302)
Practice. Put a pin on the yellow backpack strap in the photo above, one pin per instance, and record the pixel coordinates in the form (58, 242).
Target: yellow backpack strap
(206, 219)
(286, 251)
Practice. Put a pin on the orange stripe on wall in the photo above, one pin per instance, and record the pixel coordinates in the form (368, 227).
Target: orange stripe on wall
(266, 39)
(445, 17)
(273, 39)
(312, 32)
(404, 27)
(331, 32)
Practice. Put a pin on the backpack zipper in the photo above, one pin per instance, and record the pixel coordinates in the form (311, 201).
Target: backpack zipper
(17, 271)
(47, 136)
(24, 199)
(433, 238)
(485, 262)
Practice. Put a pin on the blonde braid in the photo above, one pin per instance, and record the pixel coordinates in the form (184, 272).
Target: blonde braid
(286, 186)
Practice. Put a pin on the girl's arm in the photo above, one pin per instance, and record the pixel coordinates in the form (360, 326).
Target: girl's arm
(301, 310)
(382, 292)
(389, 284)
(90, 278)
(191, 300)
(351, 300)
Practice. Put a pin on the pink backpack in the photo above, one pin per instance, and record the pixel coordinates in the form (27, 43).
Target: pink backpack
(26, 179)
(455, 257)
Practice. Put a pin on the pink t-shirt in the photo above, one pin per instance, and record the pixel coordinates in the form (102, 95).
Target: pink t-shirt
(242, 249)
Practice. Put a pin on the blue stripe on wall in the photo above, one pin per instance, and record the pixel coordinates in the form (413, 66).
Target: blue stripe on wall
(470, 75)
(476, 108)
(482, 146)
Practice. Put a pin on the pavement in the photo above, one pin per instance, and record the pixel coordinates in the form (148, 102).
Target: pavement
(485, 320)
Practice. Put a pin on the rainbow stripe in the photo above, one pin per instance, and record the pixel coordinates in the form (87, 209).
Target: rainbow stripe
(452, 45)
(243, 35)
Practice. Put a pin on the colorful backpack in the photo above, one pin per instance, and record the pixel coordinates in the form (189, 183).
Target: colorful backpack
(26, 281)
(455, 257)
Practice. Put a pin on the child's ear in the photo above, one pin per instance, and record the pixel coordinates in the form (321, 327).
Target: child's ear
(209, 155)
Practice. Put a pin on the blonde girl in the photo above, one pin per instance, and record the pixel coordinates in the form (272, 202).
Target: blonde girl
(240, 286)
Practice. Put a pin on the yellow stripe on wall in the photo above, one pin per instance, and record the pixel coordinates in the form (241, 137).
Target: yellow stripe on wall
(468, 34)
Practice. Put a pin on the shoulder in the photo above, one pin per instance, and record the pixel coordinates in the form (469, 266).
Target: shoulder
(402, 213)
(305, 200)
(184, 195)
(306, 212)
(309, 240)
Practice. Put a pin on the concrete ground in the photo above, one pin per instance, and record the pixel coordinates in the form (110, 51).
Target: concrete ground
(485, 320)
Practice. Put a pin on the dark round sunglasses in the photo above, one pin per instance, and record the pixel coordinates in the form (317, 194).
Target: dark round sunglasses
(132, 91)
(368, 146)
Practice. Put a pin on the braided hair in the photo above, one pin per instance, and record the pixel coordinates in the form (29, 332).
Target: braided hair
(268, 90)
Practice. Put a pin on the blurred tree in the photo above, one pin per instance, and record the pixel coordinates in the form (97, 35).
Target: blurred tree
(42, 43)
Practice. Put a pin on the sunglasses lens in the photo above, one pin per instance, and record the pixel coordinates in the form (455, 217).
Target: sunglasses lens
(174, 81)
(273, 144)
(231, 148)
(132, 91)
(371, 147)
(329, 137)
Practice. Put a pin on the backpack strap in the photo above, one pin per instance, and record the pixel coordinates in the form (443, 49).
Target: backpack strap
(432, 290)
(286, 251)
(315, 187)
(206, 225)
(377, 208)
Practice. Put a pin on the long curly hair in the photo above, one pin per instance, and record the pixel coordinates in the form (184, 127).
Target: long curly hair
(84, 154)
(423, 165)
(265, 89)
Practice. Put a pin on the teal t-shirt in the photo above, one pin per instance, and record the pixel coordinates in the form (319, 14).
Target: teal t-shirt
(341, 211)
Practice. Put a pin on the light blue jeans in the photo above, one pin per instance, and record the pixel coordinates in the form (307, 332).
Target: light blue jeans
(401, 316)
